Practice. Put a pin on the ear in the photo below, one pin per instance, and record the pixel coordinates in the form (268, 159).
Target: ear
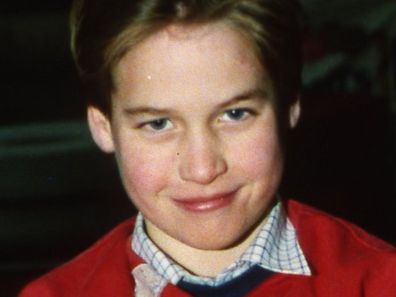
(100, 128)
(294, 113)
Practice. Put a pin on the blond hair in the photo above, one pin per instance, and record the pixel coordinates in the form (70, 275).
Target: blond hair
(103, 31)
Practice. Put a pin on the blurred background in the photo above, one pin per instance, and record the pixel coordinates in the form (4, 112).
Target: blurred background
(58, 193)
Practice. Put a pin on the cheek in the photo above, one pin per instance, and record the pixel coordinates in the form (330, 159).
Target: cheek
(260, 156)
(144, 172)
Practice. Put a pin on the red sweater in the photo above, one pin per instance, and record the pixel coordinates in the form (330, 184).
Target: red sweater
(345, 261)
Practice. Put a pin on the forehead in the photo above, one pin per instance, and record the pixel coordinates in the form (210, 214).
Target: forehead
(180, 59)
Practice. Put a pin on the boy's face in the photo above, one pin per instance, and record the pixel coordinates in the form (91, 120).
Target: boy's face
(194, 131)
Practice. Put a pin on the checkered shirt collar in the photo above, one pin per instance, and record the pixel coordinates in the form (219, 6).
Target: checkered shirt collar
(275, 248)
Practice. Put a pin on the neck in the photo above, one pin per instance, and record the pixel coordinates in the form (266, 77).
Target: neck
(191, 258)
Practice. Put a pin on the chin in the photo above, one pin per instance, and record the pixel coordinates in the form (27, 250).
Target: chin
(213, 243)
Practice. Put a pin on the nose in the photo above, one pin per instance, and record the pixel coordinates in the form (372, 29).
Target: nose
(201, 159)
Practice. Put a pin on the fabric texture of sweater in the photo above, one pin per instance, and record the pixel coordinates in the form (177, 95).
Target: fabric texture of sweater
(344, 260)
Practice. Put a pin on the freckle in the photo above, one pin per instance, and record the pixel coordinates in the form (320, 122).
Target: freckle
(177, 153)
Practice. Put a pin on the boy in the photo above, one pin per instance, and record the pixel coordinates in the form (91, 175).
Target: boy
(195, 99)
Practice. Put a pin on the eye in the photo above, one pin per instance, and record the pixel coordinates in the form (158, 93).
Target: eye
(236, 114)
(158, 124)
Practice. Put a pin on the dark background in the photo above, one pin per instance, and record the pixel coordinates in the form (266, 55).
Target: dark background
(58, 193)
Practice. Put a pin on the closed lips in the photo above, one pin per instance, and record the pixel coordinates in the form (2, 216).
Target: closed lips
(206, 203)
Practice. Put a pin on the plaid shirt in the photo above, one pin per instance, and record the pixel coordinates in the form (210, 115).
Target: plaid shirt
(275, 248)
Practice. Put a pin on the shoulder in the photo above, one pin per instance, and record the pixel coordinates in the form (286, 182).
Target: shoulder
(317, 225)
(69, 278)
(338, 249)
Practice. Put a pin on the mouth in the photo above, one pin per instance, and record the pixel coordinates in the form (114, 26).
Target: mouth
(206, 204)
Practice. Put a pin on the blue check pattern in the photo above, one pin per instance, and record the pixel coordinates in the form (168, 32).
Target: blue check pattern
(275, 248)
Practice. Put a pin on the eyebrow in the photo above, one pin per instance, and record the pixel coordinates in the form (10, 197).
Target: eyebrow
(258, 93)
(132, 111)
(248, 95)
